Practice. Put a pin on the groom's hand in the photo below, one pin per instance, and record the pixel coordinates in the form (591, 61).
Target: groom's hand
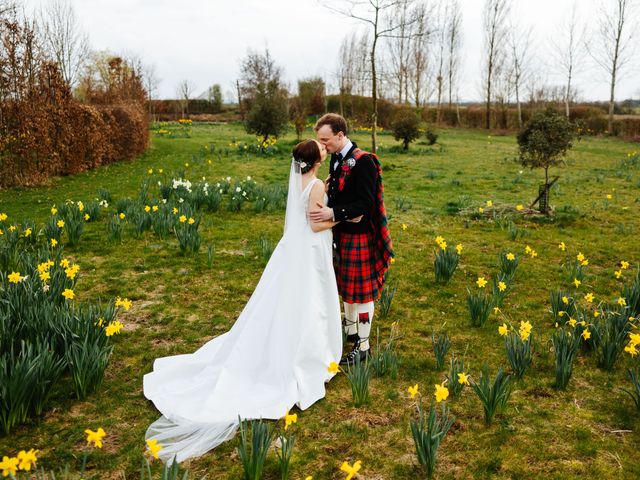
(321, 213)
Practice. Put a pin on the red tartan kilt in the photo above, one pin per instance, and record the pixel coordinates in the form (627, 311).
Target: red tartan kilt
(355, 267)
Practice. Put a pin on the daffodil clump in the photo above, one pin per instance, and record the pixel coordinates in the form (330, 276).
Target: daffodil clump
(565, 346)
(518, 346)
(46, 331)
(479, 303)
(493, 395)
(429, 429)
(446, 260)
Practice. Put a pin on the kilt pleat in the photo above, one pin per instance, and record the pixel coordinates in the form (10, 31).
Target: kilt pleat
(355, 267)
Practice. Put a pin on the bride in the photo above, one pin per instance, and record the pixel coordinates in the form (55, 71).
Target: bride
(277, 353)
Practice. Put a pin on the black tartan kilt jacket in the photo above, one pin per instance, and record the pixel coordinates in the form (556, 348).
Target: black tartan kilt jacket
(358, 195)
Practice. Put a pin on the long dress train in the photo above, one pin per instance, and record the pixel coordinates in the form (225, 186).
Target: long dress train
(275, 356)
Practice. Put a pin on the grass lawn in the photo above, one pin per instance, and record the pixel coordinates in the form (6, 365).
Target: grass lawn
(591, 430)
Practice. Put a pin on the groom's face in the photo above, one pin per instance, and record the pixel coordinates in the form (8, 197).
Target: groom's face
(333, 141)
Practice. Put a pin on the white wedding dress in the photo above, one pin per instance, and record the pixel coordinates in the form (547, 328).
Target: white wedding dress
(275, 356)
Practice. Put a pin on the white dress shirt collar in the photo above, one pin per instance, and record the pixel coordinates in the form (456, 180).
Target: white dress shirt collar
(346, 148)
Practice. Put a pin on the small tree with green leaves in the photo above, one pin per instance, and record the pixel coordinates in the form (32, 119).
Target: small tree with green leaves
(543, 143)
(406, 127)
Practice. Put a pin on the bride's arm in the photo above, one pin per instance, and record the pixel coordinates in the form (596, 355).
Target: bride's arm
(316, 197)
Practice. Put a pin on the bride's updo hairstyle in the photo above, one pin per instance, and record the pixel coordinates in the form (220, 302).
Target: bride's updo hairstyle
(307, 154)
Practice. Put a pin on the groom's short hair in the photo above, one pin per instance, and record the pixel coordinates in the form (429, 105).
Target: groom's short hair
(335, 121)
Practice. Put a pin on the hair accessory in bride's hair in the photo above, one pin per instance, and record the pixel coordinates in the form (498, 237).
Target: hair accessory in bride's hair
(303, 164)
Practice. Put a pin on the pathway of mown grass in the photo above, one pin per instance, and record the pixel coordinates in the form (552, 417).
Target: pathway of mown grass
(179, 303)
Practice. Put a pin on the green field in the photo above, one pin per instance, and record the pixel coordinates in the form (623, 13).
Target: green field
(591, 430)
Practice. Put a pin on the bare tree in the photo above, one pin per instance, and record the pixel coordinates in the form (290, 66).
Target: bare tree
(398, 48)
(440, 55)
(64, 39)
(185, 91)
(567, 53)
(495, 16)
(377, 14)
(151, 83)
(519, 41)
(419, 59)
(610, 48)
(454, 44)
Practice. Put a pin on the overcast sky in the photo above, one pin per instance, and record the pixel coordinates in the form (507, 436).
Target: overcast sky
(204, 40)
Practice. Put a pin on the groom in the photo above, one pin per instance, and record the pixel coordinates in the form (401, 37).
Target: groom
(363, 247)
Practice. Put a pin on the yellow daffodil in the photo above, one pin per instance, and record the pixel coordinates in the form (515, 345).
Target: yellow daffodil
(580, 257)
(333, 368)
(153, 447)
(561, 313)
(404, 226)
(12, 228)
(113, 328)
(54, 210)
(496, 310)
(150, 171)
(527, 249)
(511, 257)
(502, 286)
(481, 282)
(463, 379)
(459, 248)
(45, 276)
(3, 217)
(154, 208)
(124, 302)
(95, 437)
(577, 282)
(631, 349)
(519, 207)
(27, 459)
(609, 196)
(392, 260)
(350, 470)
(68, 294)
(443, 245)
(54, 242)
(480, 209)
(60, 223)
(439, 239)
(489, 203)
(589, 297)
(584, 263)
(525, 330)
(565, 300)
(122, 216)
(290, 419)
(182, 218)
(596, 313)
(572, 322)
(562, 246)
(15, 277)
(413, 391)
(64, 263)
(86, 217)
(618, 273)
(147, 208)
(586, 334)
(191, 221)
(441, 393)
(27, 232)
(622, 302)
(624, 265)
(9, 466)
(533, 254)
